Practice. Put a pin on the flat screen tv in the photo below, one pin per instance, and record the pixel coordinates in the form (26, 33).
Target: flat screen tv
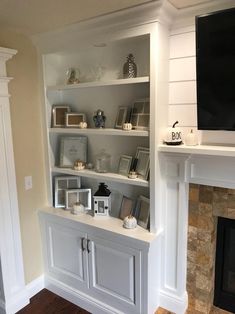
(215, 51)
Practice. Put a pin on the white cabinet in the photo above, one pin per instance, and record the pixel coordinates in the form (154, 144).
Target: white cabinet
(123, 266)
(106, 268)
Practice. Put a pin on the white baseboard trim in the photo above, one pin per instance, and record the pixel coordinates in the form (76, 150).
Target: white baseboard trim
(21, 298)
(80, 299)
(173, 303)
(16, 302)
(35, 286)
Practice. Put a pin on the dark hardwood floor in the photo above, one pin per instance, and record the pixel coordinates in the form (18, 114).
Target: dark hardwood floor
(46, 302)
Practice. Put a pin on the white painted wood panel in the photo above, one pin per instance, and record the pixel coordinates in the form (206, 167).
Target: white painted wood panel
(182, 69)
(182, 45)
(65, 255)
(182, 92)
(185, 114)
(120, 283)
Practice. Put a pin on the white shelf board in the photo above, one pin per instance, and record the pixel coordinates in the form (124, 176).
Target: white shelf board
(107, 131)
(212, 150)
(135, 80)
(108, 223)
(102, 176)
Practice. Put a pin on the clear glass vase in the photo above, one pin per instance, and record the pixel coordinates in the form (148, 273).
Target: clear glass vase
(103, 162)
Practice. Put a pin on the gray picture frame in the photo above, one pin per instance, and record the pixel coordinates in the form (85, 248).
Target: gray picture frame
(58, 115)
(143, 212)
(121, 117)
(72, 149)
(143, 162)
(126, 208)
(124, 165)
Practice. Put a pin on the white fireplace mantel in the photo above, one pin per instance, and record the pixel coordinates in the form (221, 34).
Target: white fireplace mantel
(181, 165)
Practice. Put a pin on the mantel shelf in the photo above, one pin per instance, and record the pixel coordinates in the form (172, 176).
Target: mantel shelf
(136, 80)
(96, 131)
(114, 177)
(211, 150)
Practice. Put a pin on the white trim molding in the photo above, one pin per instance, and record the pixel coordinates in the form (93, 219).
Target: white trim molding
(13, 294)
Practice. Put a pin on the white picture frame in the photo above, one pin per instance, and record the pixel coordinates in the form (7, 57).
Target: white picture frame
(143, 162)
(124, 165)
(78, 195)
(61, 184)
(72, 149)
(73, 119)
(140, 114)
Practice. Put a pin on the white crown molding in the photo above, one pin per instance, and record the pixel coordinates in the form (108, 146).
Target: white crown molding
(186, 16)
(155, 11)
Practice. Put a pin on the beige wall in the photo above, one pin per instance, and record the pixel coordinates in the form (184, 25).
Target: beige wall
(27, 141)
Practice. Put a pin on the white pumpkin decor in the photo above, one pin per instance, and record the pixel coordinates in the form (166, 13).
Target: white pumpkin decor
(191, 139)
(129, 222)
(173, 135)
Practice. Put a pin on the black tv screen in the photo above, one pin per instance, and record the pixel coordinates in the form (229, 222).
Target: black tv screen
(215, 51)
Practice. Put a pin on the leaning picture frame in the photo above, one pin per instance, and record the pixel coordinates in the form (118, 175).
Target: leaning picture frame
(78, 195)
(72, 149)
(143, 211)
(124, 165)
(73, 119)
(121, 117)
(58, 115)
(126, 208)
(140, 114)
(61, 184)
(143, 162)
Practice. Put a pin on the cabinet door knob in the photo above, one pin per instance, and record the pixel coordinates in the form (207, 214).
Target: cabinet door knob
(83, 246)
(88, 245)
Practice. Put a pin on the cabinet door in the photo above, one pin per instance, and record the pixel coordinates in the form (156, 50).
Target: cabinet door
(66, 259)
(114, 274)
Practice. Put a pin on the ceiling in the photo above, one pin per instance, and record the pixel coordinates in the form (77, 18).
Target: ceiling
(37, 16)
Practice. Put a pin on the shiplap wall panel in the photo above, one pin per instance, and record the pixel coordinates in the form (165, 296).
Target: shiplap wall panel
(182, 92)
(182, 80)
(185, 114)
(182, 45)
(182, 69)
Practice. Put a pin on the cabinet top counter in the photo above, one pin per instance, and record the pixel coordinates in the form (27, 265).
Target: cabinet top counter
(110, 224)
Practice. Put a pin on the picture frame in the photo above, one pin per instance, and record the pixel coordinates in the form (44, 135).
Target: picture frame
(143, 211)
(126, 208)
(72, 149)
(73, 119)
(61, 184)
(58, 115)
(121, 117)
(124, 165)
(143, 162)
(140, 114)
(78, 195)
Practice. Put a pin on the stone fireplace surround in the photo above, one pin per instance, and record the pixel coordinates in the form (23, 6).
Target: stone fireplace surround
(206, 203)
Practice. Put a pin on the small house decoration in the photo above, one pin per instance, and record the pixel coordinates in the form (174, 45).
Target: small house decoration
(102, 201)
(173, 135)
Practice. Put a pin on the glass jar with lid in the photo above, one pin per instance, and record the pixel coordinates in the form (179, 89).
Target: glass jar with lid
(103, 162)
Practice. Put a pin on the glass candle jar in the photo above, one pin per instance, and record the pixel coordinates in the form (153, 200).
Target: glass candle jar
(103, 162)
